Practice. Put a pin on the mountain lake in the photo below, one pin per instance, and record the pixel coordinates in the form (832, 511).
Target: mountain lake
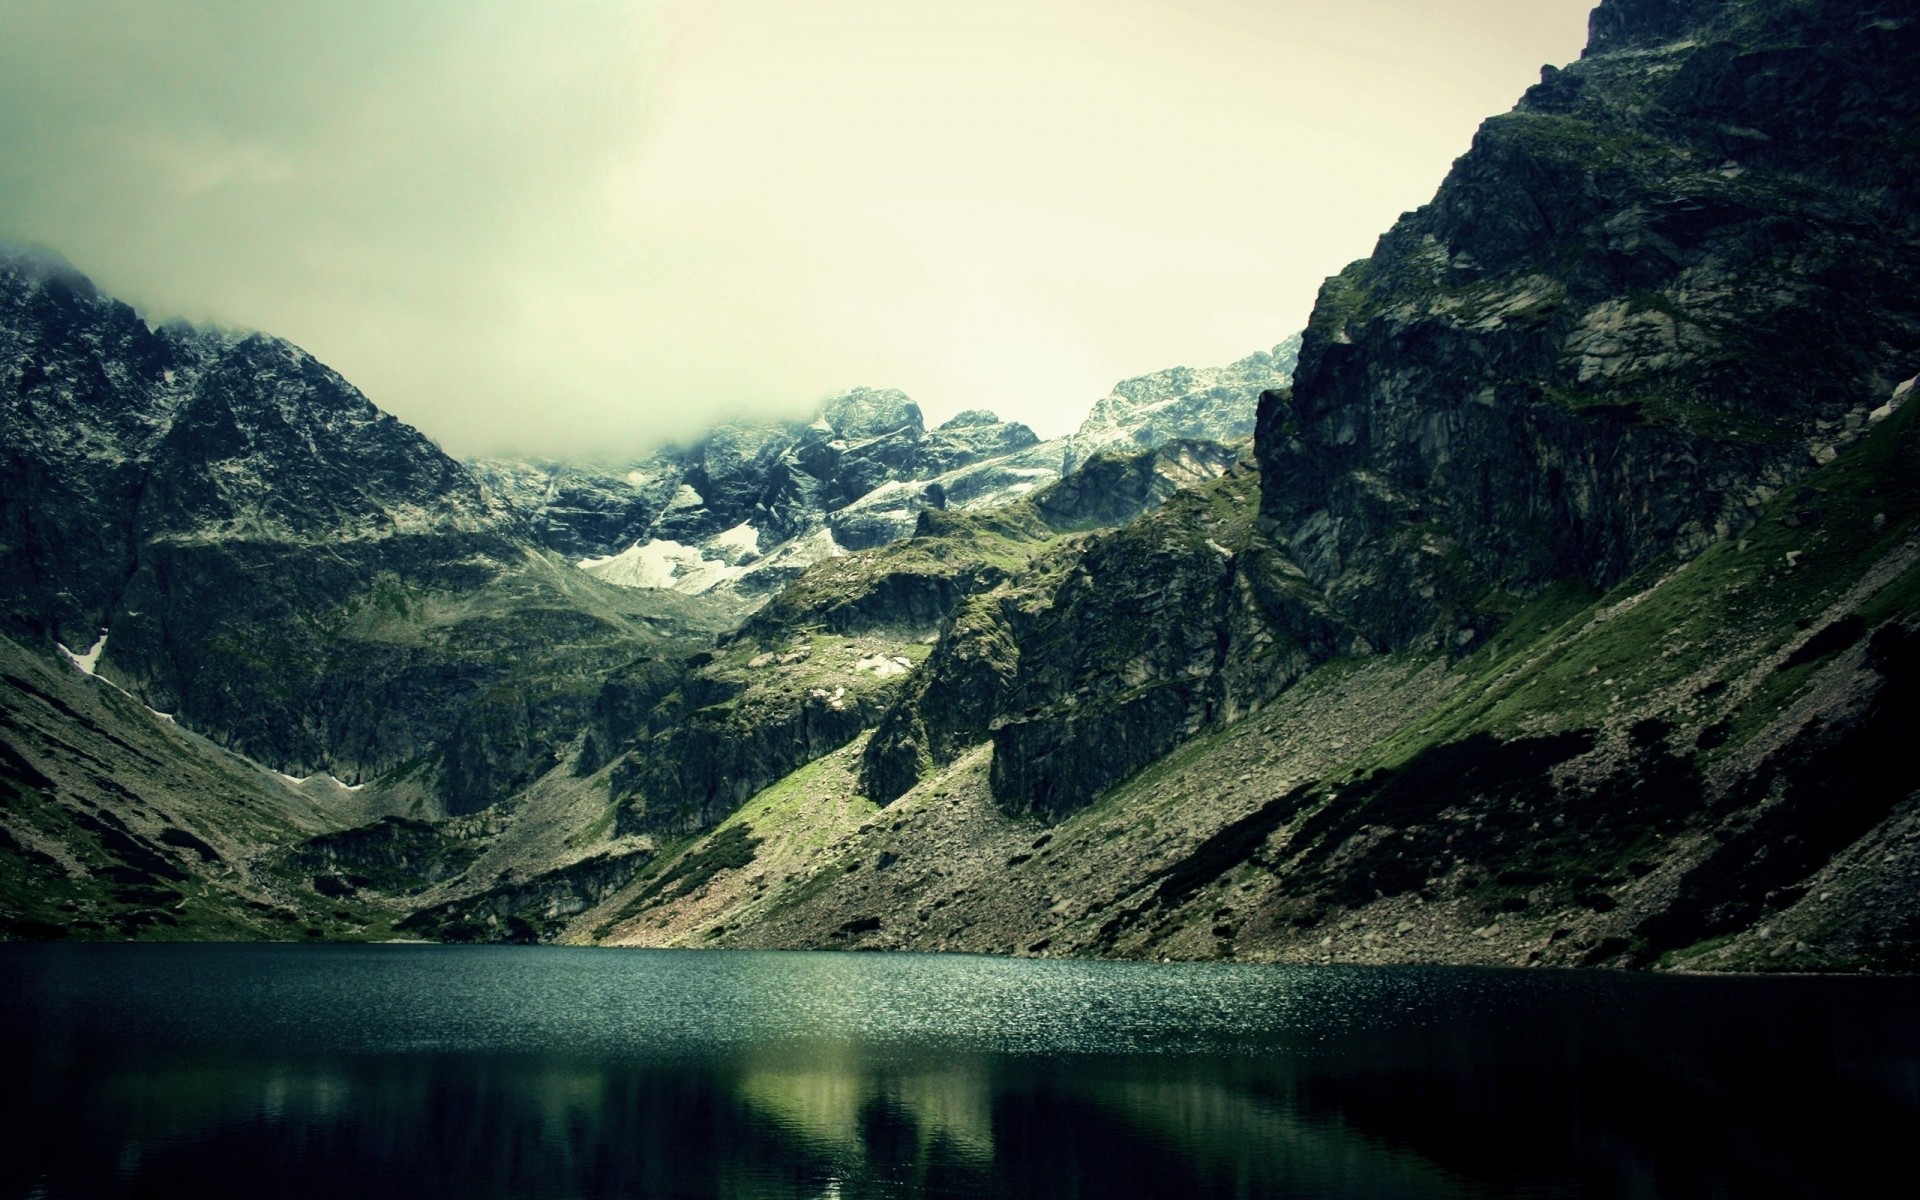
(430, 1071)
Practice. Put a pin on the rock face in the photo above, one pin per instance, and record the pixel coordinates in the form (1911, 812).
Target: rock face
(1675, 278)
(1622, 327)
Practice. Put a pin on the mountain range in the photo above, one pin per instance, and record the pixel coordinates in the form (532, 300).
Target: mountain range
(1559, 610)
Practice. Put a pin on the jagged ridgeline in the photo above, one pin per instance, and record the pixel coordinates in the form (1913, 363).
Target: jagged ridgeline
(1562, 610)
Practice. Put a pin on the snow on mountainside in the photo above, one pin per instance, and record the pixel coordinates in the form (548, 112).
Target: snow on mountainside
(751, 505)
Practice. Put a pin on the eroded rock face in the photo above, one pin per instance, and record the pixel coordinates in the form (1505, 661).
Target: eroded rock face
(1674, 279)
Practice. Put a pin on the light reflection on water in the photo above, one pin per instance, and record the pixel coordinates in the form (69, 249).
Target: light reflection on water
(471, 1071)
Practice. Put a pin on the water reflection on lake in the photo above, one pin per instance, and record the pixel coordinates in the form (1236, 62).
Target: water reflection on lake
(444, 1071)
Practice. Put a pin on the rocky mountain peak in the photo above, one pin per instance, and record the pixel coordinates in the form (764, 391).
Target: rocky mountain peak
(1213, 404)
(1616, 25)
(870, 412)
(970, 417)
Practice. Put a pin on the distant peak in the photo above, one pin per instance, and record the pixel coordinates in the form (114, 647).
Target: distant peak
(971, 417)
(870, 412)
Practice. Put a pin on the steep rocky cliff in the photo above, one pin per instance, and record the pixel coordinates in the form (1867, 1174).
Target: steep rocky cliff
(1673, 280)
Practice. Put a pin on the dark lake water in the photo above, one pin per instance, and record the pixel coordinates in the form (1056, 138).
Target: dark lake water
(428, 1071)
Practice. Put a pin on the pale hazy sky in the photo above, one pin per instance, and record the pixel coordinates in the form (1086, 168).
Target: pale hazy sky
(573, 228)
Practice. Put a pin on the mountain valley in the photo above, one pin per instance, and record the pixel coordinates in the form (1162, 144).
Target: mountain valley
(1552, 599)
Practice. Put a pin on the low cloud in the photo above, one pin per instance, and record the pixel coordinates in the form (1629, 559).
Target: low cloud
(589, 228)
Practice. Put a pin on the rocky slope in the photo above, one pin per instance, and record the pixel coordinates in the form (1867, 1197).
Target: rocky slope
(115, 822)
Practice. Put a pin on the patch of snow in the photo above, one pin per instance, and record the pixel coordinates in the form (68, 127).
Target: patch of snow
(160, 716)
(892, 490)
(743, 538)
(636, 478)
(1217, 548)
(837, 701)
(882, 665)
(86, 662)
(686, 497)
(662, 563)
(805, 551)
(294, 782)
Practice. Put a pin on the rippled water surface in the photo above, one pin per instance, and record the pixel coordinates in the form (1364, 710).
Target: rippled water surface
(428, 1071)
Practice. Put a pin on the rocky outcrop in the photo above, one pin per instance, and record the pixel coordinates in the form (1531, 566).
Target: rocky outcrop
(532, 910)
(1201, 620)
(1105, 654)
(689, 740)
(1115, 487)
(1674, 279)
